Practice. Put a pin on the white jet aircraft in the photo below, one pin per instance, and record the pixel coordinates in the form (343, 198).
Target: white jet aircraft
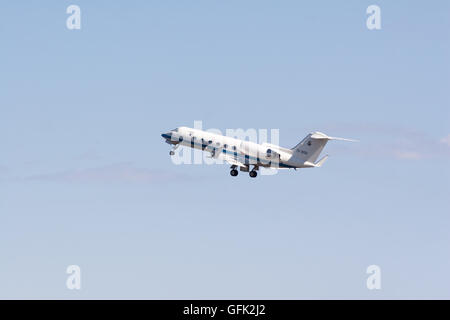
(243, 154)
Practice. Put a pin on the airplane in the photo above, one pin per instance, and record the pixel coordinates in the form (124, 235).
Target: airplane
(242, 154)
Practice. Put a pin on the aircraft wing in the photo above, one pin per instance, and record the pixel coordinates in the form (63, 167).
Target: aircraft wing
(233, 162)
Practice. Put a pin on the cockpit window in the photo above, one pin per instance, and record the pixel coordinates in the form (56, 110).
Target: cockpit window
(174, 130)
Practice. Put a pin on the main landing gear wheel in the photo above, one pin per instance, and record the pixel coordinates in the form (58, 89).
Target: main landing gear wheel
(234, 172)
(171, 152)
(253, 174)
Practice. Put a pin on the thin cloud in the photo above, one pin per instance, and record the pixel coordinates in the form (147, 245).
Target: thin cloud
(446, 140)
(380, 141)
(407, 155)
(115, 173)
(89, 155)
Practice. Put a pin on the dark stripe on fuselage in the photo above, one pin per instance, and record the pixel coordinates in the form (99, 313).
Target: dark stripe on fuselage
(246, 157)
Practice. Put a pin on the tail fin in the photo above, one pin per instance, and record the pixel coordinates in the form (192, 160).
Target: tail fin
(309, 149)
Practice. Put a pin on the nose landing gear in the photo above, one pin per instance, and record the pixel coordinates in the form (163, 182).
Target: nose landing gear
(172, 152)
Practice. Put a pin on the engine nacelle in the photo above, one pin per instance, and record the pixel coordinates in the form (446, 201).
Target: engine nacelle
(270, 154)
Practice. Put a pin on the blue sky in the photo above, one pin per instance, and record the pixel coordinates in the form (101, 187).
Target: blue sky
(86, 179)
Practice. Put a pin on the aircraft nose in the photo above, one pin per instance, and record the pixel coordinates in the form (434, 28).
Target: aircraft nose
(166, 135)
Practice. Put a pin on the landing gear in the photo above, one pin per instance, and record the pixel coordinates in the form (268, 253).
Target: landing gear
(253, 173)
(172, 152)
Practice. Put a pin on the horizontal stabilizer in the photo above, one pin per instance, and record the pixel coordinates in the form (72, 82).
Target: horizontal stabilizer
(342, 139)
(320, 135)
